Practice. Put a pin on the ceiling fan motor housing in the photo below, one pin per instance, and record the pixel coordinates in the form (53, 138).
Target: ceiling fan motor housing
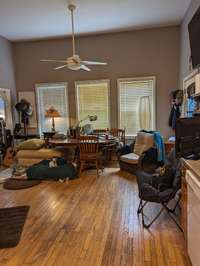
(71, 7)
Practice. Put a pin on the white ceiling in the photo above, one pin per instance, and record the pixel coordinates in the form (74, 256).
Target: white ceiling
(34, 19)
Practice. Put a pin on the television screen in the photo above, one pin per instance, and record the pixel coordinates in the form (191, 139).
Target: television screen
(194, 34)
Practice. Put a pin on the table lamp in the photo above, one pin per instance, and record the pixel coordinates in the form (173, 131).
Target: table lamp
(52, 113)
(90, 117)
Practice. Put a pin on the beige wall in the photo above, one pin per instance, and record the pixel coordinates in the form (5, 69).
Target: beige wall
(7, 73)
(129, 54)
(185, 44)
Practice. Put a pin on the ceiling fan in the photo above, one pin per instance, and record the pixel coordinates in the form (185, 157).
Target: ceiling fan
(74, 62)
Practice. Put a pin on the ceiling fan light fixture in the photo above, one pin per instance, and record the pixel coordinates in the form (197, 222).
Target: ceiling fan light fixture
(74, 66)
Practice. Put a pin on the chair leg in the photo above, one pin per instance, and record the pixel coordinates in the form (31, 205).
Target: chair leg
(109, 155)
(164, 207)
(81, 167)
(101, 166)
(97, 167)
(173, 209)
(152, 221)
(141, 206)
(76, 155)
(169, 212)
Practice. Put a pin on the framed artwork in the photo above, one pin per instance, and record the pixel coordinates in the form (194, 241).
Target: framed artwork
(30, 97)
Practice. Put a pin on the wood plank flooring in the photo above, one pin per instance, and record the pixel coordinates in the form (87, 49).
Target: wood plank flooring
(91, 221)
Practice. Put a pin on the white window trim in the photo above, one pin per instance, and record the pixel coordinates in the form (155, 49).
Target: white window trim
(49, 84)
(92, 82)
(153, 78)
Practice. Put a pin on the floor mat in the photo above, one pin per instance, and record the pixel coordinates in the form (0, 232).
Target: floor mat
(12, 221)
(15, 184)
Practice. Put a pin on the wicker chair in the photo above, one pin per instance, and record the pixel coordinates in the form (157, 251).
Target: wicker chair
(141, 154)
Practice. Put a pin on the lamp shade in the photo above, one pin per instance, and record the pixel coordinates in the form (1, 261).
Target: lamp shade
(52, 112)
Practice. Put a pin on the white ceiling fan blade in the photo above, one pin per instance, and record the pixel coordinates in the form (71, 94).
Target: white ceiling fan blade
(59, 67)
(94, 63)
(53, 60)
(85, 68)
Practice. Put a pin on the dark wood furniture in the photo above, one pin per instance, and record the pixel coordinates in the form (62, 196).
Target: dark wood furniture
(115, 132)
(74, 143)
(113, 147)
(99, 131)
(118, 133)
(89, 152)
(48, 135)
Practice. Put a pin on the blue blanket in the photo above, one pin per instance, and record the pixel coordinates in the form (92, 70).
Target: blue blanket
(158, 140)
(160, 146)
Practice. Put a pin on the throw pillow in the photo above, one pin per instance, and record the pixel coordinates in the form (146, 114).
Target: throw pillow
(31, 144)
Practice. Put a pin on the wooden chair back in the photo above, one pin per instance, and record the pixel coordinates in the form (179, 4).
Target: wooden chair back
(118, 133)
(99, 131)
(88, 145)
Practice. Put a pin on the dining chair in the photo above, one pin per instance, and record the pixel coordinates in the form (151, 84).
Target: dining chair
(89, 152)
(99, 131)
(119, 134)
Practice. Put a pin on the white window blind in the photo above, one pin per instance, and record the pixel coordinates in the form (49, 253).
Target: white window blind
(52, 95)
(136, 104)
(93, 99)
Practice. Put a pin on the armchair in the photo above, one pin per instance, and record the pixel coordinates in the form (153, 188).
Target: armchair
(141, 154)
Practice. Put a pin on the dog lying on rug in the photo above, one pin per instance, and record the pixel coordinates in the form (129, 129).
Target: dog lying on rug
(53, 169)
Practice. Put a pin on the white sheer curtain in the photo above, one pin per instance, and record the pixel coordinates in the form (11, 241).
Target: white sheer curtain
(145, 112)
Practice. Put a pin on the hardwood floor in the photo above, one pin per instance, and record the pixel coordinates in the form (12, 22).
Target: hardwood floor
(91, 221)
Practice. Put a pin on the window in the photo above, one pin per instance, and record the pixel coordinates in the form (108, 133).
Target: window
(93, 99)
(55, 95)
(136, 104)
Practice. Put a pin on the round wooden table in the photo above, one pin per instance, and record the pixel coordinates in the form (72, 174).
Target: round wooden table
(74, 142)
(103, 143)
